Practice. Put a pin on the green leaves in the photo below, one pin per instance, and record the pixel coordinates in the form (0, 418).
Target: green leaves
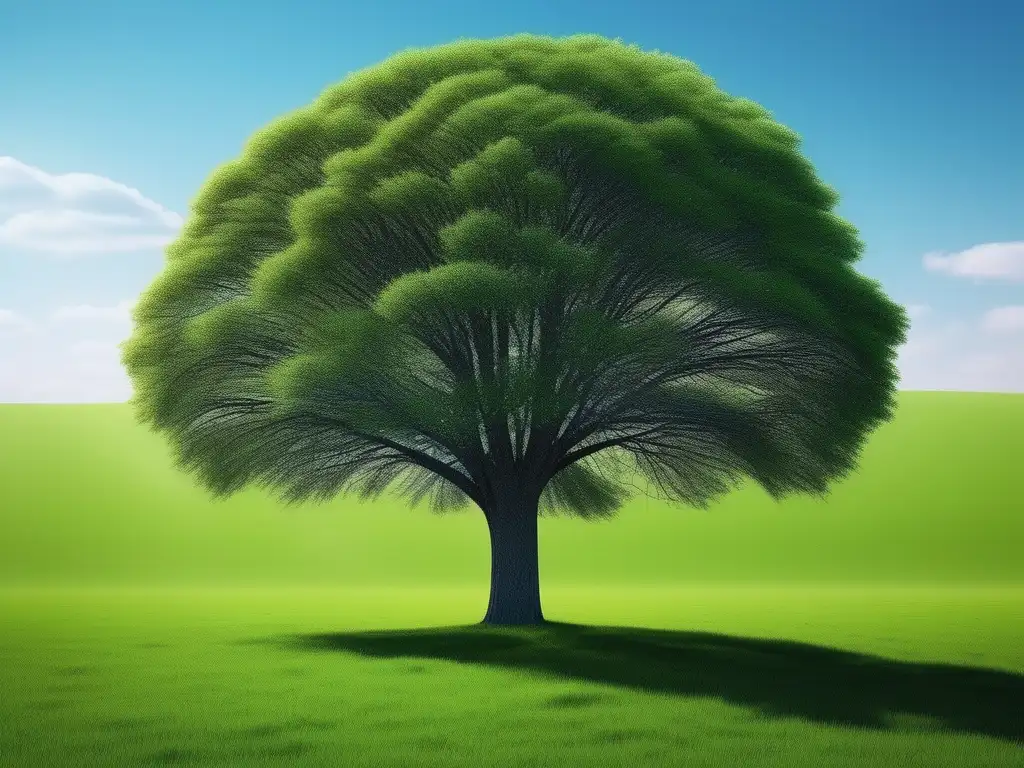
(583, 492)
(481, 235)
(538, 256)
(414, 197)
(505, 175)
(452, 290)
(488, 240)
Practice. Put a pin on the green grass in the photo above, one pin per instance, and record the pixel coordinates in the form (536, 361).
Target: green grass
(141, 624)
(368, 678)
(88, 496)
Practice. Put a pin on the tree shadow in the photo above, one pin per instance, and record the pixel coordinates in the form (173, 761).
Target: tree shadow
(775, 677)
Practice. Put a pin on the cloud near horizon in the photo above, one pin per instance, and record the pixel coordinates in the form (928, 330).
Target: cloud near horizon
(70, 353)
(986, 355)
(71, 356)
(119, 312)
(77, 213)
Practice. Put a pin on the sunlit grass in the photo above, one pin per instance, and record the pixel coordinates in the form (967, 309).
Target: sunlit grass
(124, 639)
(400, 677)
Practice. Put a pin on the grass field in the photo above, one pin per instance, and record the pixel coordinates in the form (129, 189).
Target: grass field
(141, 624)
(352, 678)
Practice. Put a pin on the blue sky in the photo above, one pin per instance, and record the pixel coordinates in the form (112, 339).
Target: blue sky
(914, 111)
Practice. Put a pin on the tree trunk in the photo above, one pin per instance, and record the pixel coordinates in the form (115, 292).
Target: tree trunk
(515, 573)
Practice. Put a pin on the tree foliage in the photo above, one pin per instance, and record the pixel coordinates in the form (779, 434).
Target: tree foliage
(530, 262)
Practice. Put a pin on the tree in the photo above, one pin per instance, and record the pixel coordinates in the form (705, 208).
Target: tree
(517, 273)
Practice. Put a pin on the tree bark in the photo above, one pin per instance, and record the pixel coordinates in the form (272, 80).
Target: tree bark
(515, 572)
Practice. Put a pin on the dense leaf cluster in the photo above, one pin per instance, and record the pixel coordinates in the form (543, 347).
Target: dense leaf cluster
(532, 263)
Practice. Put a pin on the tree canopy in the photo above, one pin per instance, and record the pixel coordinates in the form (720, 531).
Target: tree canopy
(557, 264)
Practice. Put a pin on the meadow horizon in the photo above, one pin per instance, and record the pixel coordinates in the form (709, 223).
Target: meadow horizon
(92, 497)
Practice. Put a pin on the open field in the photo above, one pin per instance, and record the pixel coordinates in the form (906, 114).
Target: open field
(290, 677)
(87, 496)
(142, 624)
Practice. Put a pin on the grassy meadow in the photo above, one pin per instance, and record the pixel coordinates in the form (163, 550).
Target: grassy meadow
(143, 624)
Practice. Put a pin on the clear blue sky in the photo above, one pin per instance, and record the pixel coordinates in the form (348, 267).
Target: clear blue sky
(913, 110)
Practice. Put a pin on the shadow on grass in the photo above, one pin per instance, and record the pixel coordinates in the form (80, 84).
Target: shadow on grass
(776, 677)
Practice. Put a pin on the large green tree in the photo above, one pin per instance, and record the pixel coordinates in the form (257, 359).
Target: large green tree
(517, 273)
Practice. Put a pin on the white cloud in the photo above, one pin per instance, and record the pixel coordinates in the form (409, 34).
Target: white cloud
(9, 317)
(61, 374)
(50, 367)
(1004, 319)
(961, 356)
(76, 213)
(994, 261)
(69, 353)
(918, 310)
(12, 322)
(120, 312)
(46, 362)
